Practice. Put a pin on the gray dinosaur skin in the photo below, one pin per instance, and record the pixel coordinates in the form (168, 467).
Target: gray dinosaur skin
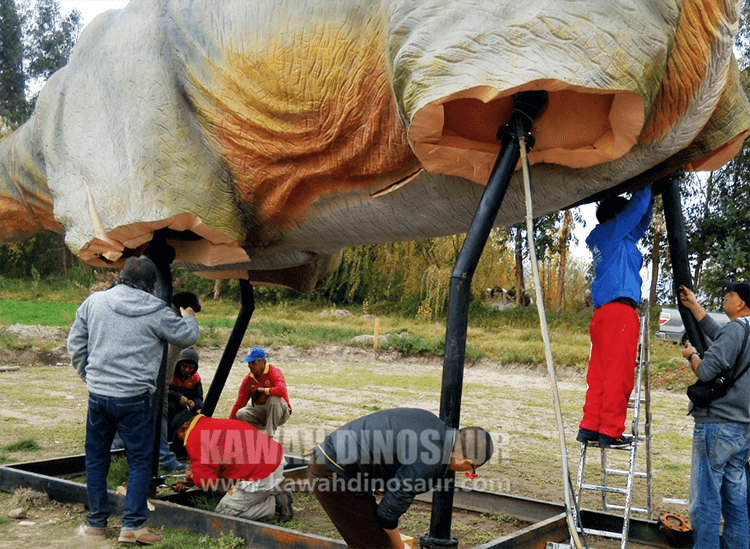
(266, 136)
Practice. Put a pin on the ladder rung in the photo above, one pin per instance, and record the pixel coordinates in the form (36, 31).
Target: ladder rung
(617, 507)
(602, 533)
(608, 489)
(622, 473)
(596, 445)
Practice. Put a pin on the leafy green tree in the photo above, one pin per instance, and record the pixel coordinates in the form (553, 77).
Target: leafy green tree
(719, 242)
(656, 240)
(742, 40)
(35, 41)
(545, 242)
(569, 218)
(50, 38)
(13, 105)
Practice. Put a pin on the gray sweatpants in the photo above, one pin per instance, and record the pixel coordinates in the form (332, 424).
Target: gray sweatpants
(253, 499)
(266, 417)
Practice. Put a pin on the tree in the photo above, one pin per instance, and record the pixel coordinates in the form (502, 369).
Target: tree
(50, 38)
(33, 45)
(565, 233)
(13, 105)
(545, 243)
(656, 235)
(717, 221)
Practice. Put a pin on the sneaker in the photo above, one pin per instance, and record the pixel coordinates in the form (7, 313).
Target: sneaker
(142, 536)
(91, 532)
(622, 441)
(284, 510)
(174, 465)
(587, 435)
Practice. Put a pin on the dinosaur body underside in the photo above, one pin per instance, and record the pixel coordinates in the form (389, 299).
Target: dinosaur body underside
(265, 136)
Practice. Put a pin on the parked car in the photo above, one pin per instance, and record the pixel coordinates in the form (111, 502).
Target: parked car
(671, 327)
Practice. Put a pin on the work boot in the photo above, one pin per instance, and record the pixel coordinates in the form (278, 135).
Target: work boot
(622, 441)
(91, 532)
(284, 510)
(142, 536)
(587, 435)
(173, 465)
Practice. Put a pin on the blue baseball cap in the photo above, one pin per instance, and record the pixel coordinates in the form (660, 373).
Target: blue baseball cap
(254, 354)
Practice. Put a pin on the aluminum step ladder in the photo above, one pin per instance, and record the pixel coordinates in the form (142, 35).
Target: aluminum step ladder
(640, 404)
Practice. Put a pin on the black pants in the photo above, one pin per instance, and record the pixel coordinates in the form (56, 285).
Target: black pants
(352, 513)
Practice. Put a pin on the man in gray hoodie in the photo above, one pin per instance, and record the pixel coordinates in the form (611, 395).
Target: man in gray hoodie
(116, 346)
(721, 439)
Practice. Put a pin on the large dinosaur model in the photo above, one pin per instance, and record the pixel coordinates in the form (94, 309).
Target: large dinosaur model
(261, 137)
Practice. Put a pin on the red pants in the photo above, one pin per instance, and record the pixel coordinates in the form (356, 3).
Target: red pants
(614, 345)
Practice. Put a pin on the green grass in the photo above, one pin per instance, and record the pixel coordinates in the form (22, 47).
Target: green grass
(511, 337)
(118, 473)
(177, 539)
(45, 313)
(25, 445)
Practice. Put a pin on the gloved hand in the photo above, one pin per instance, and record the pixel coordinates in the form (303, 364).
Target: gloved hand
(185, 300)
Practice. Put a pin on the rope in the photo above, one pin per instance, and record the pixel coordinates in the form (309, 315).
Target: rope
(567, 492)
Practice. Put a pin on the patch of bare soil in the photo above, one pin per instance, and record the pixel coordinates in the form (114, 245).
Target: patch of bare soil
(512, 401)
(42, 523)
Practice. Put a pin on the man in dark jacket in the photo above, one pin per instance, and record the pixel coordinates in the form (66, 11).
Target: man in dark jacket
(721, 438)
(401, 452)
(185, 391)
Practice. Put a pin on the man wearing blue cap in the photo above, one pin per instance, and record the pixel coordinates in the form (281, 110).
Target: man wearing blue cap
(262, 401)
(721, 437)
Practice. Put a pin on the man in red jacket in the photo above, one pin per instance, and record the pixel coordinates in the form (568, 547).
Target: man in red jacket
(227, 455)
(264, 389)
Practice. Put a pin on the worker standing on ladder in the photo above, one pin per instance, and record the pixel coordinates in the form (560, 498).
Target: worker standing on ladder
(718, 477)
(616, 293)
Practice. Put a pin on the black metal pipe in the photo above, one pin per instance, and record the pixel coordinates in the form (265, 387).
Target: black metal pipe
(247, 307)
(162, 254)
(678, 250)
(527, 106)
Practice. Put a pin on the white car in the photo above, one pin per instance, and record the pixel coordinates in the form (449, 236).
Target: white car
(671, 327)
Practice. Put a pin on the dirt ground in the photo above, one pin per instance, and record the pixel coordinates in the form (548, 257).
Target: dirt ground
(514, 403)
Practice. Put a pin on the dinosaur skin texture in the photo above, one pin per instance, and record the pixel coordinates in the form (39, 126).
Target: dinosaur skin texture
(263, 137)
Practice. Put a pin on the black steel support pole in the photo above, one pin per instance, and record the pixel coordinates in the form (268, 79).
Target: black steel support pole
(678, 250)
(230, 352)
(162, 254)
(526, 105)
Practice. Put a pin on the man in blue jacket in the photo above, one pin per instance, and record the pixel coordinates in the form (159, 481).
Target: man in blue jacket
(616, 293)
(400, 453)
(116, 346)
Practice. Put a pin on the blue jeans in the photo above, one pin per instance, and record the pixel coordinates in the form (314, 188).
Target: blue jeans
(166, 456)
(131, 417)
(718, 485)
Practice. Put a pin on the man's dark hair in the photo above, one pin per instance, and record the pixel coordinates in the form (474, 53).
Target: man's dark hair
(182, 417)
(185, 300)
(610, 207)
(139, 273)
(476, 445)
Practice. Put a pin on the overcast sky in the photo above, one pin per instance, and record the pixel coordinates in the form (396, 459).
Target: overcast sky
(90, 8)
